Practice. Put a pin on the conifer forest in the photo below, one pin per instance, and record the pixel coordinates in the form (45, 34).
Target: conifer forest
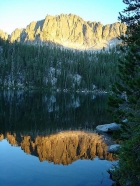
(49, 67)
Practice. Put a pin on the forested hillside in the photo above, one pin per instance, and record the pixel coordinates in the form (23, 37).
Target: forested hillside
(49, 67)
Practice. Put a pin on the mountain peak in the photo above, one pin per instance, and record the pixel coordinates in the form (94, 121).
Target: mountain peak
(69, 30)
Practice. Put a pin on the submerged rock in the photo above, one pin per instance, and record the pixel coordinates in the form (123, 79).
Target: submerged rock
(108, 127)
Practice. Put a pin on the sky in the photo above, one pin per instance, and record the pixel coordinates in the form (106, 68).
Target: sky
(19, 13)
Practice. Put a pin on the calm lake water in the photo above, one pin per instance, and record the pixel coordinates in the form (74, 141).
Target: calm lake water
(49, 139)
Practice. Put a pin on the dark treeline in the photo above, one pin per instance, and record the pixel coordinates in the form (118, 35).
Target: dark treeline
(125, 100)
(51, 111)
(29, 66)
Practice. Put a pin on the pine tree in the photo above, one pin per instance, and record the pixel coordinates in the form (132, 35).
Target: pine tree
(127, 89)
(125, 99)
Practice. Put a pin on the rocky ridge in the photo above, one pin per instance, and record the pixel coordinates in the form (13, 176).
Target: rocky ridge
(3, 35)
(69, 31)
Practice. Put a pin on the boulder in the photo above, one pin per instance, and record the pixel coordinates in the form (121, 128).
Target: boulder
(107, 127)
(113, 148)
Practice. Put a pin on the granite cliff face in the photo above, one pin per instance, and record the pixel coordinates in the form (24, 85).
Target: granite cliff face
(3, 35)
(62, 148)
(70, 31)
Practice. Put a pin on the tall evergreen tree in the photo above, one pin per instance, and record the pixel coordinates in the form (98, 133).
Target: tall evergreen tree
(125, 99)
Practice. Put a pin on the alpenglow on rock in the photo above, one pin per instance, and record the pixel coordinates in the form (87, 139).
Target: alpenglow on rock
(3, 35)
(70, 31)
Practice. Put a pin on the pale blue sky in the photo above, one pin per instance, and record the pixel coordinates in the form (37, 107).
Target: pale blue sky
(19, 13)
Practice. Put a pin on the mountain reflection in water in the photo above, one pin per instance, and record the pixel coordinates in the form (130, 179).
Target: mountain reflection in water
(53, 127)
(62, 148)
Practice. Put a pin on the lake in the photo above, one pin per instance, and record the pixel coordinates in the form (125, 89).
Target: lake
(48, 138)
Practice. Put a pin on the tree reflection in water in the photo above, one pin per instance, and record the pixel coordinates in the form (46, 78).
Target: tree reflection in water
(51, 112)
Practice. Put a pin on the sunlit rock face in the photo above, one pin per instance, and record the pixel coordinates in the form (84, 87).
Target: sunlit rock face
(3, 35)
(16, 35)
(70, 31)
(63, 148)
